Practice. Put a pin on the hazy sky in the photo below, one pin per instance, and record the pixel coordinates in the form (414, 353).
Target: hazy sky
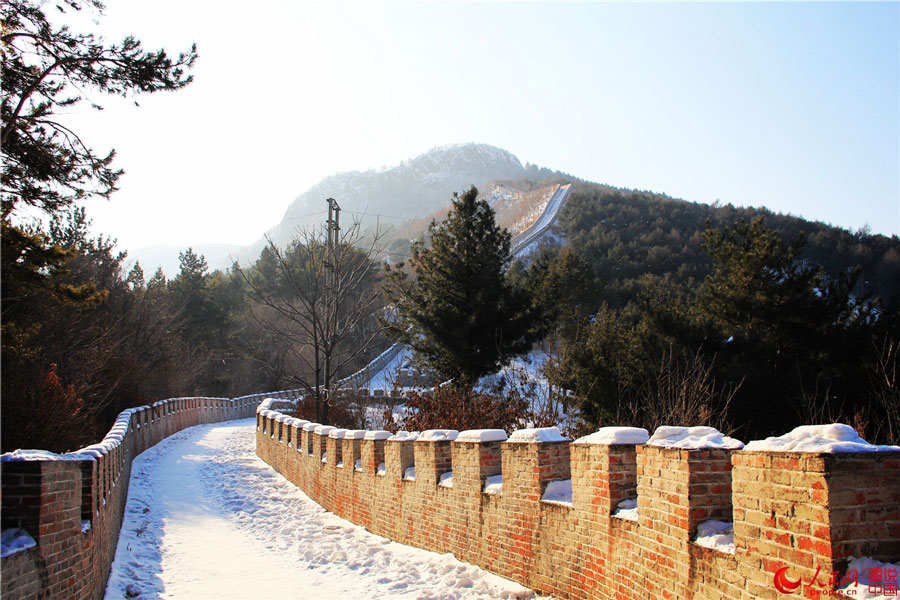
(792, 106)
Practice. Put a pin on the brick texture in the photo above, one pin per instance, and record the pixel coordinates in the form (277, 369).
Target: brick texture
(800, 511)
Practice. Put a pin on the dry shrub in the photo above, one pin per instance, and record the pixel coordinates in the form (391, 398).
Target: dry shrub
(462, 408)
(881, 421)
(683, 392)
(347, 413)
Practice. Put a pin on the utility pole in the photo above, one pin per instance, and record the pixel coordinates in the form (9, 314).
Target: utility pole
(332, 282)
(334, 228)
(332, 240)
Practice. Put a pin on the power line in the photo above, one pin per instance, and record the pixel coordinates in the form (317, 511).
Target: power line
(315, 214)
(352, 212)
(368, 214)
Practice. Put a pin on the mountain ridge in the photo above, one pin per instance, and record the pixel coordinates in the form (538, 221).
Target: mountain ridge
(401, 195)
(411, 190)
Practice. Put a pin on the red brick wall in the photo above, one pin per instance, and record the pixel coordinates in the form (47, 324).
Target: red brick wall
(50, 499)
(788, 510)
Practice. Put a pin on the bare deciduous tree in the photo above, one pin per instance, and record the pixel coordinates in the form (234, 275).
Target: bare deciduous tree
(884, 376)
(319, 298)
(684, 392)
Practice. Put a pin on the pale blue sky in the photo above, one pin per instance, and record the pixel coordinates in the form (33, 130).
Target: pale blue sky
(792, 106)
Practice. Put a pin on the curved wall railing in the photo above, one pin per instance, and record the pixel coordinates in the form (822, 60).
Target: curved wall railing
(69, 507)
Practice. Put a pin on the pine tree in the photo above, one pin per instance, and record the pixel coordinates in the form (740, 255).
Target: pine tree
(795, 337)
(459, 311)
(55, 349)
(47, 69)
(761, 293)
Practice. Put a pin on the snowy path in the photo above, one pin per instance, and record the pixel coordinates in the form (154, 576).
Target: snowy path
(206, 518)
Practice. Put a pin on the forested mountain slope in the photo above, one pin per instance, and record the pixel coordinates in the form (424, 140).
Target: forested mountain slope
(629, 236)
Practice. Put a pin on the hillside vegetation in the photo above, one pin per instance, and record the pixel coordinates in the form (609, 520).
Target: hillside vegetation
(739, 318)
(632, 237)
(636, 309)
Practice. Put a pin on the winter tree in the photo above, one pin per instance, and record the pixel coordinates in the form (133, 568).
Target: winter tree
(317, 304)
(458, 308)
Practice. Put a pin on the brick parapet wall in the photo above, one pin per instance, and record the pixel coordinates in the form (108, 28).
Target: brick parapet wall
(582, 550)
(811, 512)
(676, 490)
(72, 505)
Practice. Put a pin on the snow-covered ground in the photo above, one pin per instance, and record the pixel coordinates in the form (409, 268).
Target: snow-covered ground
(870, 579)
(206, 518)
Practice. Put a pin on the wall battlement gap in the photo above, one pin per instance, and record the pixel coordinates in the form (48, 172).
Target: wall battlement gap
(804, 511)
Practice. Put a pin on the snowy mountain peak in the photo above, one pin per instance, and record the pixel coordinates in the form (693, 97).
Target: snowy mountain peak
(411, 190)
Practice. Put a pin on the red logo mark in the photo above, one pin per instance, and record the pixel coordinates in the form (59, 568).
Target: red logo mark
(783, 584)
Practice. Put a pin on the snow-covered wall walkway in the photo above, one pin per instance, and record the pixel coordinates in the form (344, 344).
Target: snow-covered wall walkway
(61, 513)
(206, 518)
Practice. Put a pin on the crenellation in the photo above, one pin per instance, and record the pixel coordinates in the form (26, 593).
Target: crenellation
(398, 456)
(372, 452)
(432, 458)
(806, 512)
(786, 510)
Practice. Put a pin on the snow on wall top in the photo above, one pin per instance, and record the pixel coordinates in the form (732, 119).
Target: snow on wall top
(692, 438)
(482, 435)
(835, 437)
(27, 455)
(539, 434)
(616, 435)
(15, 540)
(438, 435)
(110, 441)
(559, 492)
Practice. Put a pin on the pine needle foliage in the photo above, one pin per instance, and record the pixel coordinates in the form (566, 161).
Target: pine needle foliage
(456, 306)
